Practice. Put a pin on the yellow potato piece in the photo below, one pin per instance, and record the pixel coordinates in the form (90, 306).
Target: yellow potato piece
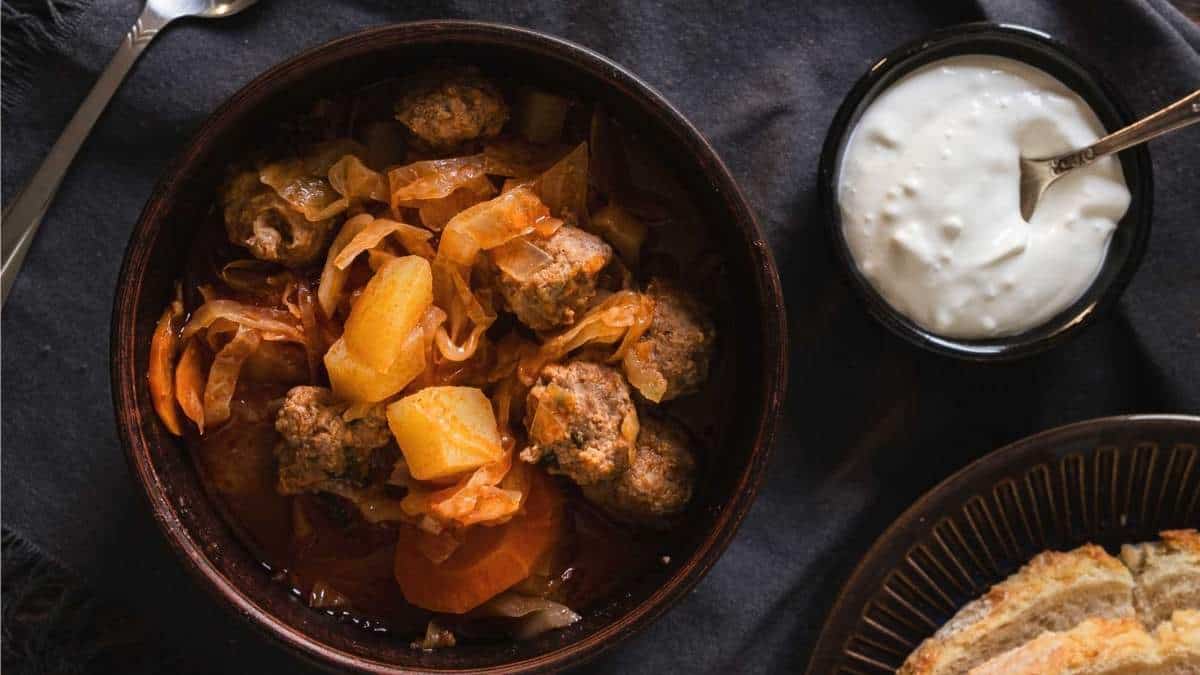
(387, 311)
(354, 380)
(444, 431)
(619, 228)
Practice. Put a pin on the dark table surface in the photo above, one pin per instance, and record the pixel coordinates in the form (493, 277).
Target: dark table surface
(870, 422)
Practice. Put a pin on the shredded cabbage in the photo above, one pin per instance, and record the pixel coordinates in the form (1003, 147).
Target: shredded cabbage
(414, 239)
(521, 258)
(621, 317)
(333, 278)
(190, 375)
(435, 213)
(223, 375)
(491, 495)
(164, 346)
(352, 179)
(468, 314)
(432, 179)
(489, 224)
(271, 324)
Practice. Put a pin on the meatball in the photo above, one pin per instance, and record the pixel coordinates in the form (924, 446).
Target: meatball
(659, 480)
(448, 108)
(582, 414)
(554, 295)
(258, 219)
(678, 345)
(320, 446)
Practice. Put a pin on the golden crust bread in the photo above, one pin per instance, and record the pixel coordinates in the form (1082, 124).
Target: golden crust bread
(1053, 591)
(1118, 643)
(1106, 647)
(1182, 540)
(1179, 638)
(1167, 573)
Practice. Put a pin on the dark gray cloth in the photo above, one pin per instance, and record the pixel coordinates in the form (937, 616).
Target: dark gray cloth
(870, 422)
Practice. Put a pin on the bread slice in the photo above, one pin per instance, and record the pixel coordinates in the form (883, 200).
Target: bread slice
(1055, 591)
(1179, 642)
(1167, 574)
(1107, 647)
(1094, 646)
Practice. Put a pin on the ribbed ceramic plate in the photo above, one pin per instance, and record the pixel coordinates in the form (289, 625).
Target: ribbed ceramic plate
(1108, 481)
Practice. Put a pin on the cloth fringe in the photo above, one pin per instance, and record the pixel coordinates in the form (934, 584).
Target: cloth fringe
(32, 30)
(51, 623)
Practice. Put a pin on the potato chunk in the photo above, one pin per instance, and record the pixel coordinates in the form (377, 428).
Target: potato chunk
(355, 380)
(387, 311)
(444, 431)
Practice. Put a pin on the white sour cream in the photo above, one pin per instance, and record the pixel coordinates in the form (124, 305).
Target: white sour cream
(930, 206)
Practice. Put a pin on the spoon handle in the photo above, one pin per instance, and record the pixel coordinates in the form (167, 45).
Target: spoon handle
(23, 215)
(1179, 114)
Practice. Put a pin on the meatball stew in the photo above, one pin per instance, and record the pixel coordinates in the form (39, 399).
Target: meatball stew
(427, 352)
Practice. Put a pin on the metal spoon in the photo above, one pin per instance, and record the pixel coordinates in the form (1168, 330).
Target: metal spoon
(1038, 174)
(23, 215)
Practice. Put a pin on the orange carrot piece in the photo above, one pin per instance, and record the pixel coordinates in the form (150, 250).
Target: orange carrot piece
(490, 559)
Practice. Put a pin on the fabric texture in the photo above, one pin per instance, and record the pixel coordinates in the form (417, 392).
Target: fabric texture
(870, 422)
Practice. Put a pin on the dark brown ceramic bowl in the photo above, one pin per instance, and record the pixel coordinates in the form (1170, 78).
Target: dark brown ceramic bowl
(1041, 51)
(1109, 481)
(191, 521)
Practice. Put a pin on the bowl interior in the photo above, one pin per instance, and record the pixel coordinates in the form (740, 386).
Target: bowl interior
(752, 337)
(1037, 49)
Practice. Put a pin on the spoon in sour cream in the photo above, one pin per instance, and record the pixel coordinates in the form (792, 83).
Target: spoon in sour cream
(1038, 174)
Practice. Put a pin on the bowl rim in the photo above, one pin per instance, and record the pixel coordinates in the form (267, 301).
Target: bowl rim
(825, 650)
(1096, 301)
(126, 382)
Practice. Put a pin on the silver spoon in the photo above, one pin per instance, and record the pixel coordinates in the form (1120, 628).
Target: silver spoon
(23, 215)
(1038, 174)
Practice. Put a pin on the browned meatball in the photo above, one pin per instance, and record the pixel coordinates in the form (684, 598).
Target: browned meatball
(257, 218)
(659, 481)
(582, 415)
(678, 346)
(447, 108)
(320, 446)
(556, 294)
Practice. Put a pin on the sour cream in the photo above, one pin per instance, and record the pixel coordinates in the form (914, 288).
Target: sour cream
(929, 197)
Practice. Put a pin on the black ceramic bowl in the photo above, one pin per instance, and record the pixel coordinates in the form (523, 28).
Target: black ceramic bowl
(1039, 50)
(754, 339)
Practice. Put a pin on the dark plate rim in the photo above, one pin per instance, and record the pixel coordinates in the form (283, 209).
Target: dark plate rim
(829, 642)
(125, 381)
(1097, 299)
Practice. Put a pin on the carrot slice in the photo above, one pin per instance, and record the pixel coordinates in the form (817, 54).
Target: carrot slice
(490, 559)
(164, 346)
(190, 377)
